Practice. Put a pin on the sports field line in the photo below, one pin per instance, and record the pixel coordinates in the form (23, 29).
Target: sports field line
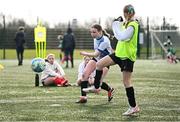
(31, 101)
(43, 99)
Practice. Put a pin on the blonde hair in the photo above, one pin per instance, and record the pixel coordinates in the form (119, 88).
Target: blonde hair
(50, 54)
(86, 57)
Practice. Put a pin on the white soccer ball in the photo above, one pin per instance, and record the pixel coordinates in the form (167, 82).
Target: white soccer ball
(38, 65)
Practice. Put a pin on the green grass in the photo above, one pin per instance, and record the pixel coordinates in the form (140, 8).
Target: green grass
(156, 83)
(30, 53)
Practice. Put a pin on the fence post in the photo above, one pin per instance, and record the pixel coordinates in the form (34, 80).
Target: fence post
(4, 53)
(147, 56)
(4, 37)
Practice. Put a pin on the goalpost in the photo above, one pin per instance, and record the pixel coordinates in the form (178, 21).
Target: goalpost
(158, 37)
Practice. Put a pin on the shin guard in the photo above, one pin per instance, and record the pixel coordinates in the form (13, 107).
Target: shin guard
(97, 78)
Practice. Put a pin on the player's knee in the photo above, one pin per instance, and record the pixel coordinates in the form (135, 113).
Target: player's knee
(99, 66)
(84, 77)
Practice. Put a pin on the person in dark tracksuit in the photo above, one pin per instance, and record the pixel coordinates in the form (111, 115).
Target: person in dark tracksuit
(68, 46)
(20, 40)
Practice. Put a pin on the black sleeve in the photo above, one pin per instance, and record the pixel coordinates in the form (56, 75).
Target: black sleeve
(24, 38)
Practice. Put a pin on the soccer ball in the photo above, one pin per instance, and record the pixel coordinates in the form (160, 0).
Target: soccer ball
(38, 65)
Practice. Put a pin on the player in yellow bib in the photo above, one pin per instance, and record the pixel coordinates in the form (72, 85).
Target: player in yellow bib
(125, 54)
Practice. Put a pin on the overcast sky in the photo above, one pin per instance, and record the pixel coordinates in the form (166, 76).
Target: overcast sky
(55, 11)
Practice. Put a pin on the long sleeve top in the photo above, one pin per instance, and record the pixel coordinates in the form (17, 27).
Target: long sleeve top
(52, 70)
(81, 70)
(120, 33)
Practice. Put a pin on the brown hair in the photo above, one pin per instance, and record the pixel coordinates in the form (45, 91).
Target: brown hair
(97, 26)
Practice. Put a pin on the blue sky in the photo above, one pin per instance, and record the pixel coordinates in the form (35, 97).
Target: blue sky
(54, 11)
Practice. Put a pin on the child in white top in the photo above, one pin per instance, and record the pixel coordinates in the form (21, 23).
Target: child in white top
(81, 68)
(53, 73)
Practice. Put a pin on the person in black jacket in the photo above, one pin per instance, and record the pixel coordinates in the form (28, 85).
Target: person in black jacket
(20, 40)
(68, 46)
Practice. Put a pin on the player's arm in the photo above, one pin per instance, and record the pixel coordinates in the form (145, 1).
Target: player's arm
(60, 69)
(96, 53)
(61, 72)
(50, 72)
(122, 34)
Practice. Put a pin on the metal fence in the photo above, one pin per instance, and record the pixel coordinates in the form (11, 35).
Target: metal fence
(83, 40)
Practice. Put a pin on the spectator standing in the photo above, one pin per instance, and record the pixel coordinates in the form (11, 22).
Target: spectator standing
(60, 39)
(20, 41)
(68, 46)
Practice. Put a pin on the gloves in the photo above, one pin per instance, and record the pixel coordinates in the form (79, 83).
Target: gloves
(120, 19)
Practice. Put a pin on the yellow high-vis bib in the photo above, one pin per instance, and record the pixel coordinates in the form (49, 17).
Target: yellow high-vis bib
(127, 49)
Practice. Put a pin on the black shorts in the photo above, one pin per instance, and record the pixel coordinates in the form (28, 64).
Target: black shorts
(125, 65)
(96, 61)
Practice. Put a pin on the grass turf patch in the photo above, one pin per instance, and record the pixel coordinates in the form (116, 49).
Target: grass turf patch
(156, 86)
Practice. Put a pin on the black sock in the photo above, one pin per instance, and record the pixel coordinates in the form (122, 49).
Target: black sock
(131, 96)
(98, 78)
(105, 86)
(84, 84)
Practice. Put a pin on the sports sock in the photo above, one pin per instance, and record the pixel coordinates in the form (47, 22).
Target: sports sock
(105, 86)
(98, 78)
(84, 84)
(131, 96)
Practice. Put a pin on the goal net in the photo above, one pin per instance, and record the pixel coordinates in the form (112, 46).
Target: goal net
(159, 38)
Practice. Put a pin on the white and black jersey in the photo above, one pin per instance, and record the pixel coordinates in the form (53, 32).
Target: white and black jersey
(103, 45)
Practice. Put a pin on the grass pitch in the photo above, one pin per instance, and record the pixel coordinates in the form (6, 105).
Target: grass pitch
(156, 83)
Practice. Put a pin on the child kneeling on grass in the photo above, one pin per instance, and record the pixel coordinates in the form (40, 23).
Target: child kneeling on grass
(81, 68)
(53, 75)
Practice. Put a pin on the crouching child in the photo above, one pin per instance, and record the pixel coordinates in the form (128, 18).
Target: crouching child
(53, 75)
